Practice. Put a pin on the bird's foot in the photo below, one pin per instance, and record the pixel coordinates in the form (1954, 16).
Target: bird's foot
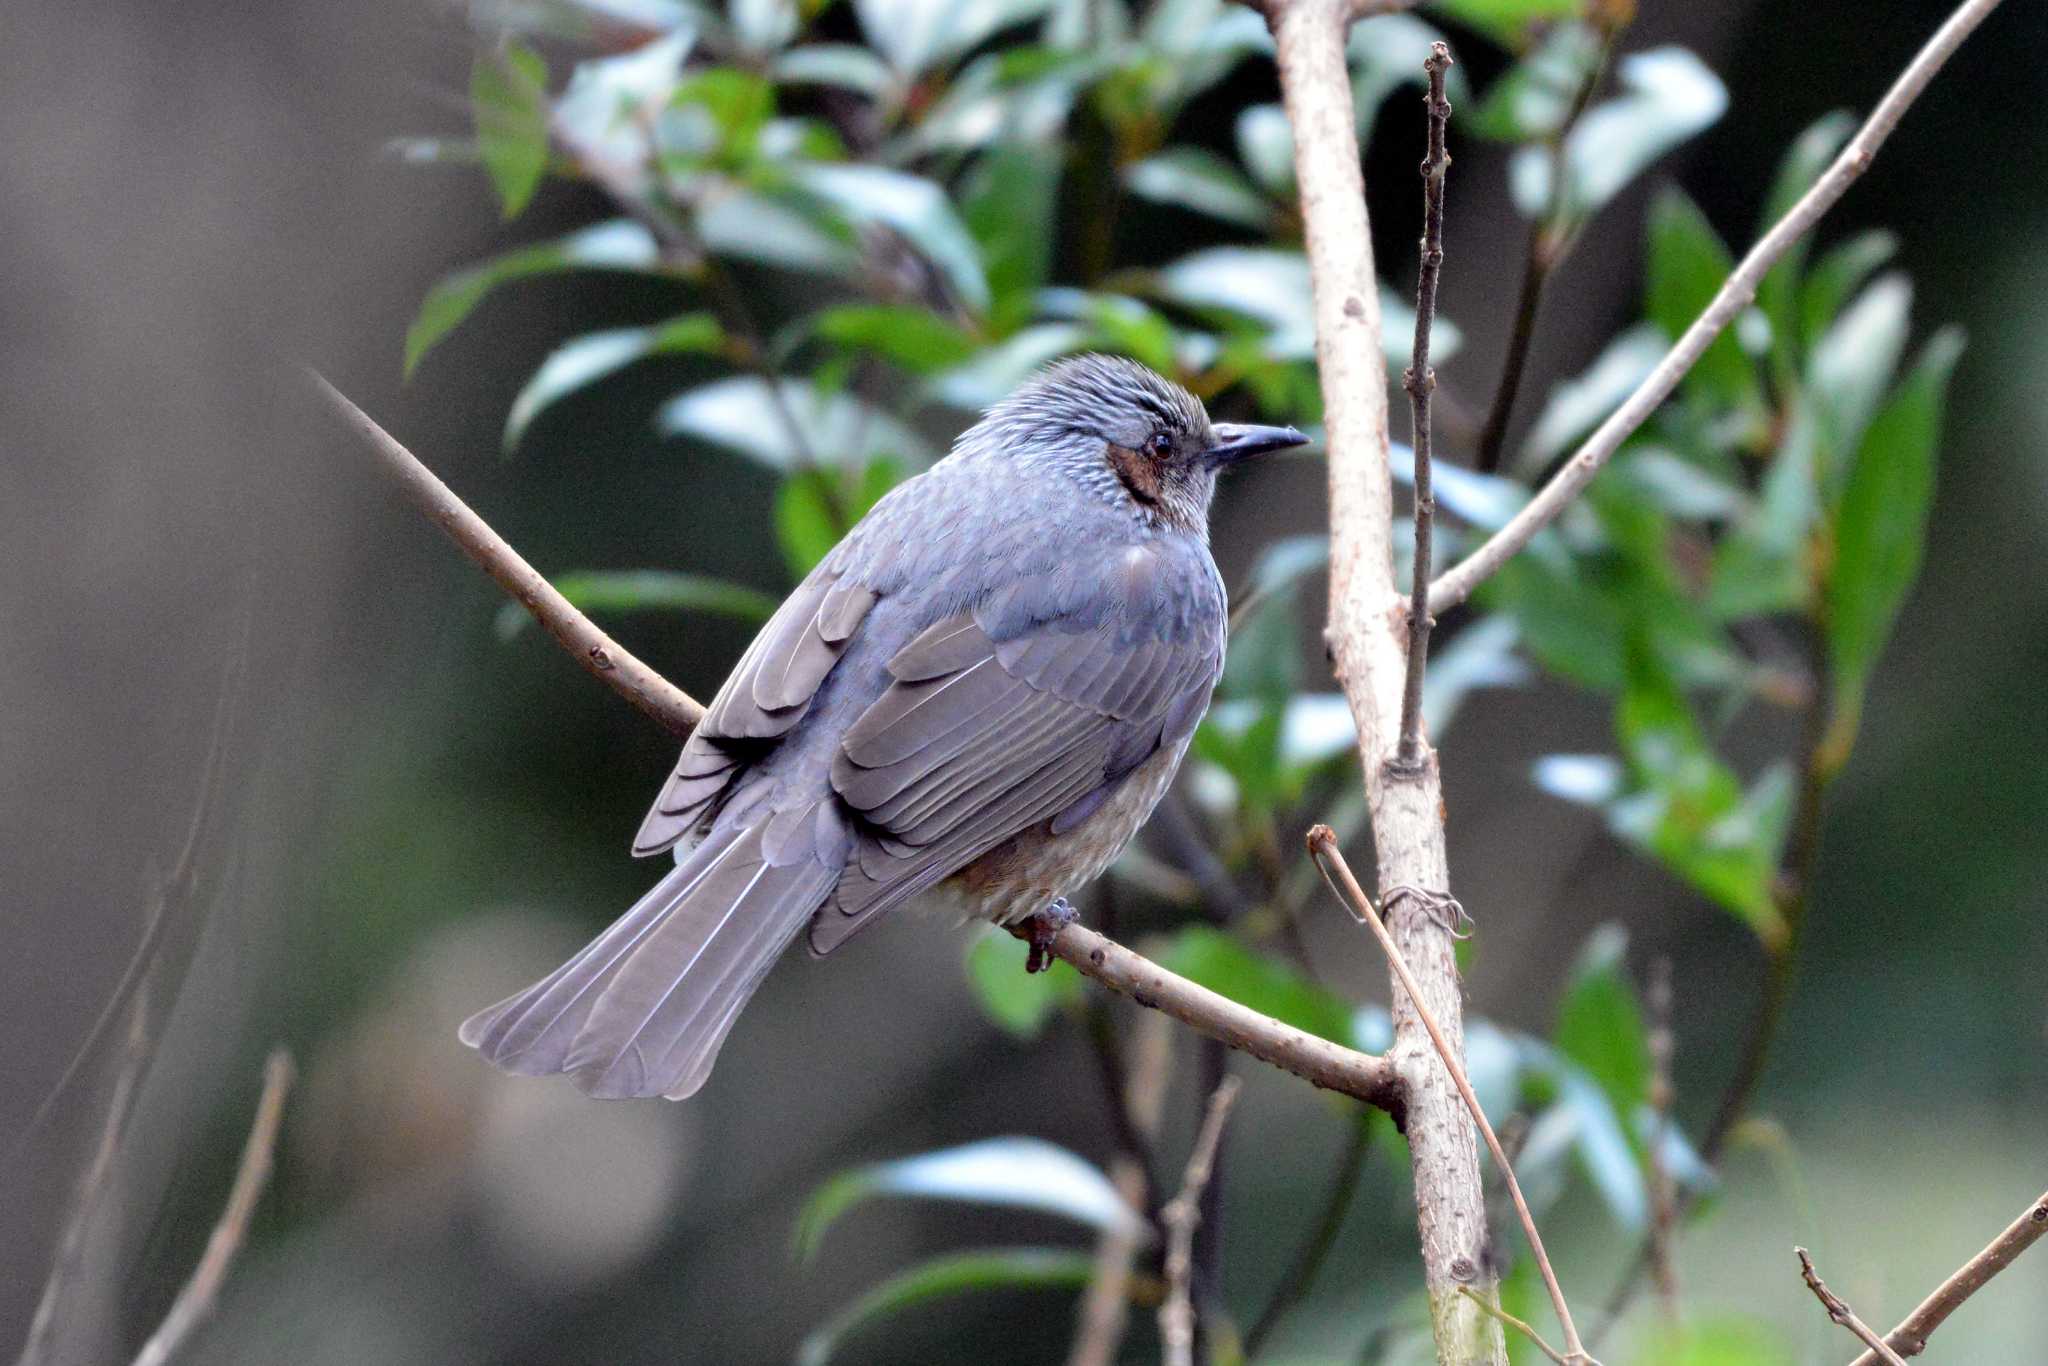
(1041, 929)
(1445, 909)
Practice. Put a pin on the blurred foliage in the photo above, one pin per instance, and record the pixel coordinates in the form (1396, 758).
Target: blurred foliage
(845, 219)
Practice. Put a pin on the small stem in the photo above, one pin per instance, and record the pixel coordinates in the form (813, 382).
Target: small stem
(1663, 1197)
(1300, 1277)
(1206, 1279)
(1420, 381)
(1181, 1216)
(1322, 846)
(1842, 1314)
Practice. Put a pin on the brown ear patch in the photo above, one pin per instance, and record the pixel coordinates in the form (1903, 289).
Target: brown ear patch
(1138, 472)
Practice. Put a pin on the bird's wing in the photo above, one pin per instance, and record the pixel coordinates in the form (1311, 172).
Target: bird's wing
(768, 692)
(1029, 707)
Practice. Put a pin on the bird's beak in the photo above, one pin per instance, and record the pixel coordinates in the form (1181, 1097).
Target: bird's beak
(1237, 441)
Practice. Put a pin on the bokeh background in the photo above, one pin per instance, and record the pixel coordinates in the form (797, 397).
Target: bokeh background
(234, 659)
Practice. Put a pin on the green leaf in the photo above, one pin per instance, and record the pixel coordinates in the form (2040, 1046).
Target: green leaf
(776, 229)
(1505, 21)
(1196, 179)
(1265, 144)
(717, 116)
(1224, 965)
(744, 415)
(1019, 1001)
(763, 25)
(916, 35)
(1837, 276)
(1386, 52)
(915, 338)
(1587, 779)
(1803, 163)
(1687, 264)
(584, 360)
(1600, 1024)
(1270, 286)
(620, 244)
(814, 508)
(999, 369)
(1881, 525)
(915, 208)
(1531, 101)
(647, 590)
(1013, 1268)
(1669, 96)
(610, 103)
(508, 100)
(842, 64)
(1009, 199)
(1577, 406)
(1014, 1173)
(1851, 367)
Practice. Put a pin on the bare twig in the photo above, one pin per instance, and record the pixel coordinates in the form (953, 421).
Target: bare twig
(1909, 1339)
(1322, 846)
(1105, 1309)
(597, 652)
(1841, 1313)
(1317, 1061)
(1663, 1197)
(1456, 584)
(1548, 245)
(1180, 1217)
(1300, 1277)
(1369, 655)
(195, 1301)
(1420, 382)
(1521, 1326)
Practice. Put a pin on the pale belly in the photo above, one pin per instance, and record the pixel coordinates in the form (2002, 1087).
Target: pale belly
(1019, 877)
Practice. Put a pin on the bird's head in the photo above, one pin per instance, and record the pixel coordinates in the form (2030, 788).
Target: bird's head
(1131, 434)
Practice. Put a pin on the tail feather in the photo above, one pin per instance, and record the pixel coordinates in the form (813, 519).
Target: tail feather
(643, 1010)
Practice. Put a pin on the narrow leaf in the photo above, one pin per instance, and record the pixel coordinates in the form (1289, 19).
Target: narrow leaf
(1669, 96)
(1019, 1001)
(1687, 264)
(1600, 1023)
(508, 100)
(1224, 965)
(586, 359)
(745, 415)
(1020, 1268)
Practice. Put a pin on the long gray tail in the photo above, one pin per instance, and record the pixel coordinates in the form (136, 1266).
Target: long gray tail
(644, 1008)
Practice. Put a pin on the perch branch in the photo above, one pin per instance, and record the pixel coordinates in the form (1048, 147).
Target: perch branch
(597, 652)
(195, 1301)
(1420, 382)
(1181, 1215)
(1368, 652)
(1909, 1339)
(1322, 847)
(1735, 294)
(1841, 1313)
(1316, 1061)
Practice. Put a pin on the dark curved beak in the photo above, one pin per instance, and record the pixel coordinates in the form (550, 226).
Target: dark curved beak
(1237, 441)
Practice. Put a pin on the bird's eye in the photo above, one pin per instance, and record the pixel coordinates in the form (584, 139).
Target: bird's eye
(1161, 445)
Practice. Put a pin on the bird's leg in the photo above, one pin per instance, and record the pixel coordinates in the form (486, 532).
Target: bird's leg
(1445, 909)
(1044, 927)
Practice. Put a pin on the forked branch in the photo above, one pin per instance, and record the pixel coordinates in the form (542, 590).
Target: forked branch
(1457, 583)
(1909, 1339)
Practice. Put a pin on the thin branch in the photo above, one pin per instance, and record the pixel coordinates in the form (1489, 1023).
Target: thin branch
(1735, 294)
(597, 652)
(1300, 1277)
(1322, 846)
(1548, 245)
(195, 1301)
(1420, 382)
(1909, 1339)
(1316, 1061)
(1180, 1217)
(1521, 1326)
(1841, 1313)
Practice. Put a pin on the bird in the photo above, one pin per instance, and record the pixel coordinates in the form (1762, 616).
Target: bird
(981, 692)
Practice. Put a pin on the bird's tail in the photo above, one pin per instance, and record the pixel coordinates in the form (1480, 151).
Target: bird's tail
(643, 1009)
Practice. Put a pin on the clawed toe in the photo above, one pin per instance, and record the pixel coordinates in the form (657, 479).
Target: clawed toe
(1045, 927)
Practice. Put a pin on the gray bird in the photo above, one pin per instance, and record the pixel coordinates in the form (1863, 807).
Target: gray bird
(987, 686)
